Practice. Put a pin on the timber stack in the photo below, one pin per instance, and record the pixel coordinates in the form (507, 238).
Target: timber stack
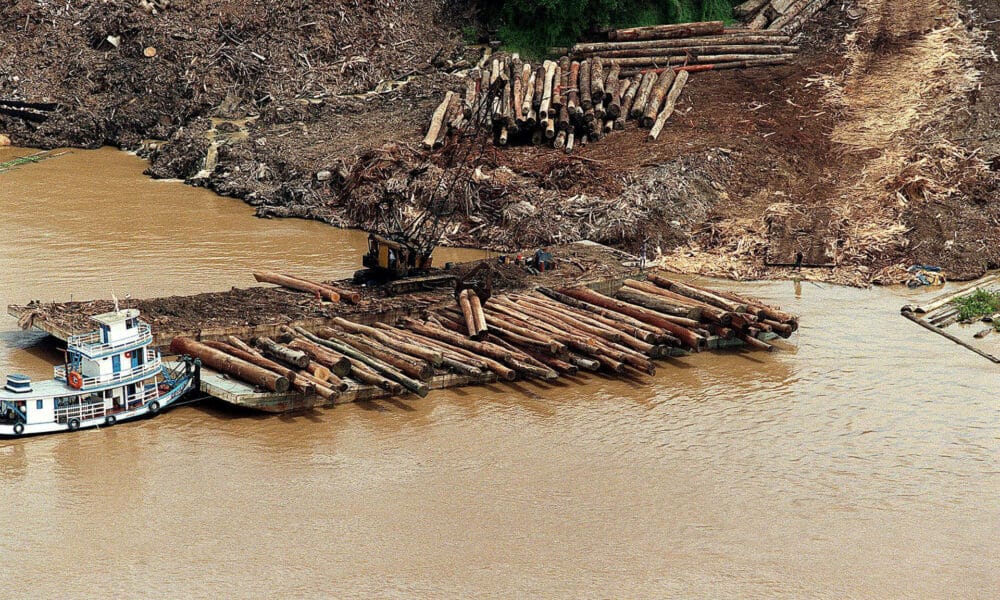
(783, 16)
(540, 334)
(598, 87)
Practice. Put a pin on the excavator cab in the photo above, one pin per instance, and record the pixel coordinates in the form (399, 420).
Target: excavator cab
(391, 259)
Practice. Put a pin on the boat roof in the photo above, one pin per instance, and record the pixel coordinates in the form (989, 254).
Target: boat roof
(46, 388)
(110, 318)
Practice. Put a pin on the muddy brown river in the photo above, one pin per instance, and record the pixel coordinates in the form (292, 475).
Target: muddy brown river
(862, 461)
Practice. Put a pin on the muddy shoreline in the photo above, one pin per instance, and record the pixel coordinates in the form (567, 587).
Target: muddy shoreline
(303, 113)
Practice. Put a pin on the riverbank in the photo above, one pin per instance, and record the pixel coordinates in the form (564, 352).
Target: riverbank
(757, 165)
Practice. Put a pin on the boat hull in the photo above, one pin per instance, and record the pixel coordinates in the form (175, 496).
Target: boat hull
(164, 400)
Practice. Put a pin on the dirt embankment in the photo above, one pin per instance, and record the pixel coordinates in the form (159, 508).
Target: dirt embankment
(877, 148)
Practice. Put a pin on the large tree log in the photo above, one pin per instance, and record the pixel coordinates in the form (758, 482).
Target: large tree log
(297, 284)
(573, 89)
(657, 303)
(416, 368)
(748, 8)
(536, 99)
(694, 51)
(748, 38)
(393, 338)
(230, 365)
(613, 105)
(663, 83)
(529, 94)
(808, 12)
(680, 30)
(596, 79)
(640, 329)
(437, 121)
(477, 313)
(373, 363)
(557, 94)
(699, 294)
(486, 353)
(265, 363)
(630, 94)
(470, 320)
(336, 362)
(278, 352)
(586, 101)
(689, 338)
(739, 64)
(668, 108)
(645, 89)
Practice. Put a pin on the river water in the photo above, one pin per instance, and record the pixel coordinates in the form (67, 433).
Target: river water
(860, 461)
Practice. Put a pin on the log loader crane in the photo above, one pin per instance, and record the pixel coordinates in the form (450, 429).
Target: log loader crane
(402, 258)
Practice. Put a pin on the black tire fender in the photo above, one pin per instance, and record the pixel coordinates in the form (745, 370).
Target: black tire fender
(154, 407)
(73, 424)
(110, 420)
(18, 428)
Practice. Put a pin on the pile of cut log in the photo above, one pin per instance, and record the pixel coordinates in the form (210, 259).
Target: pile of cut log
(708, 46)
(785, 16)
(540, 334)
(561, 103)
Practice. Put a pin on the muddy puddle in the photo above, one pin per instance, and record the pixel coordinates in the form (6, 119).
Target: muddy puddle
(860, 461)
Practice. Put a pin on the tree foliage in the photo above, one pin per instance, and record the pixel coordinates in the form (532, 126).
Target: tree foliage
(532, 26)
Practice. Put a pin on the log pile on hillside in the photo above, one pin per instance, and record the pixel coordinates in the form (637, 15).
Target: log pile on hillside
(785, 16)
(541, 334)
(594, 90)
(708, 46)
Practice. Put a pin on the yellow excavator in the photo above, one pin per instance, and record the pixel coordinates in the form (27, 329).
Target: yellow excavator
(401, 259)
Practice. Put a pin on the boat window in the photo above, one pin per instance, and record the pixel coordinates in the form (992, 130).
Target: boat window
(130, 324)
(38, 404)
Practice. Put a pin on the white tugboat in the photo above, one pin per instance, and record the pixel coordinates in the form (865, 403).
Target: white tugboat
(110, 375)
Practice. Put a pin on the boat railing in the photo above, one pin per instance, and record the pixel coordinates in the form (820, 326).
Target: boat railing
(92, 410)
(91, 343)
(150, 367)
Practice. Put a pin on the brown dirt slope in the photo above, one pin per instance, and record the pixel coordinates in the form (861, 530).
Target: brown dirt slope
(875, 149)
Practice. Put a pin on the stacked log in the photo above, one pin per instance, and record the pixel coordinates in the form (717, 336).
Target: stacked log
(702, 47)
(321, 290)
(541, 334)
(784, 16)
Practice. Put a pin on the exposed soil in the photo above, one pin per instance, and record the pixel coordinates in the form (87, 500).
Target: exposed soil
(255, 101)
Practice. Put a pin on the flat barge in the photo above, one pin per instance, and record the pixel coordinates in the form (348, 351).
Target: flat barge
(278, 350)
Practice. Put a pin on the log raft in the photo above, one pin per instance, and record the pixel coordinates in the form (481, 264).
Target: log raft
(538, 334)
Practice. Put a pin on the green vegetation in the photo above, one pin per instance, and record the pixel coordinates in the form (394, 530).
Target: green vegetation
(979, 303)
(532, 26)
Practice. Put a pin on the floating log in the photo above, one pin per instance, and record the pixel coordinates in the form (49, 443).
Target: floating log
(278, 352)
(681, 30)
(663, 83)
(230, 365)
(753, 342)
(671, 103)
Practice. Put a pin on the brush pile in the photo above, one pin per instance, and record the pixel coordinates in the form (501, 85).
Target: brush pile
(785, 16)
(541, 334)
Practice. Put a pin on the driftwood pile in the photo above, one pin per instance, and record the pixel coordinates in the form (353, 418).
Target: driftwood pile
(707, 46)
(785, 16)
(541, 334)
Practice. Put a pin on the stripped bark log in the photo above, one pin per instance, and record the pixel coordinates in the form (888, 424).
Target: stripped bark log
(668, 108)
(689, 338)
(336, 362)
(663, 83)
(297, 284)
(437, 121)
(645, 89)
